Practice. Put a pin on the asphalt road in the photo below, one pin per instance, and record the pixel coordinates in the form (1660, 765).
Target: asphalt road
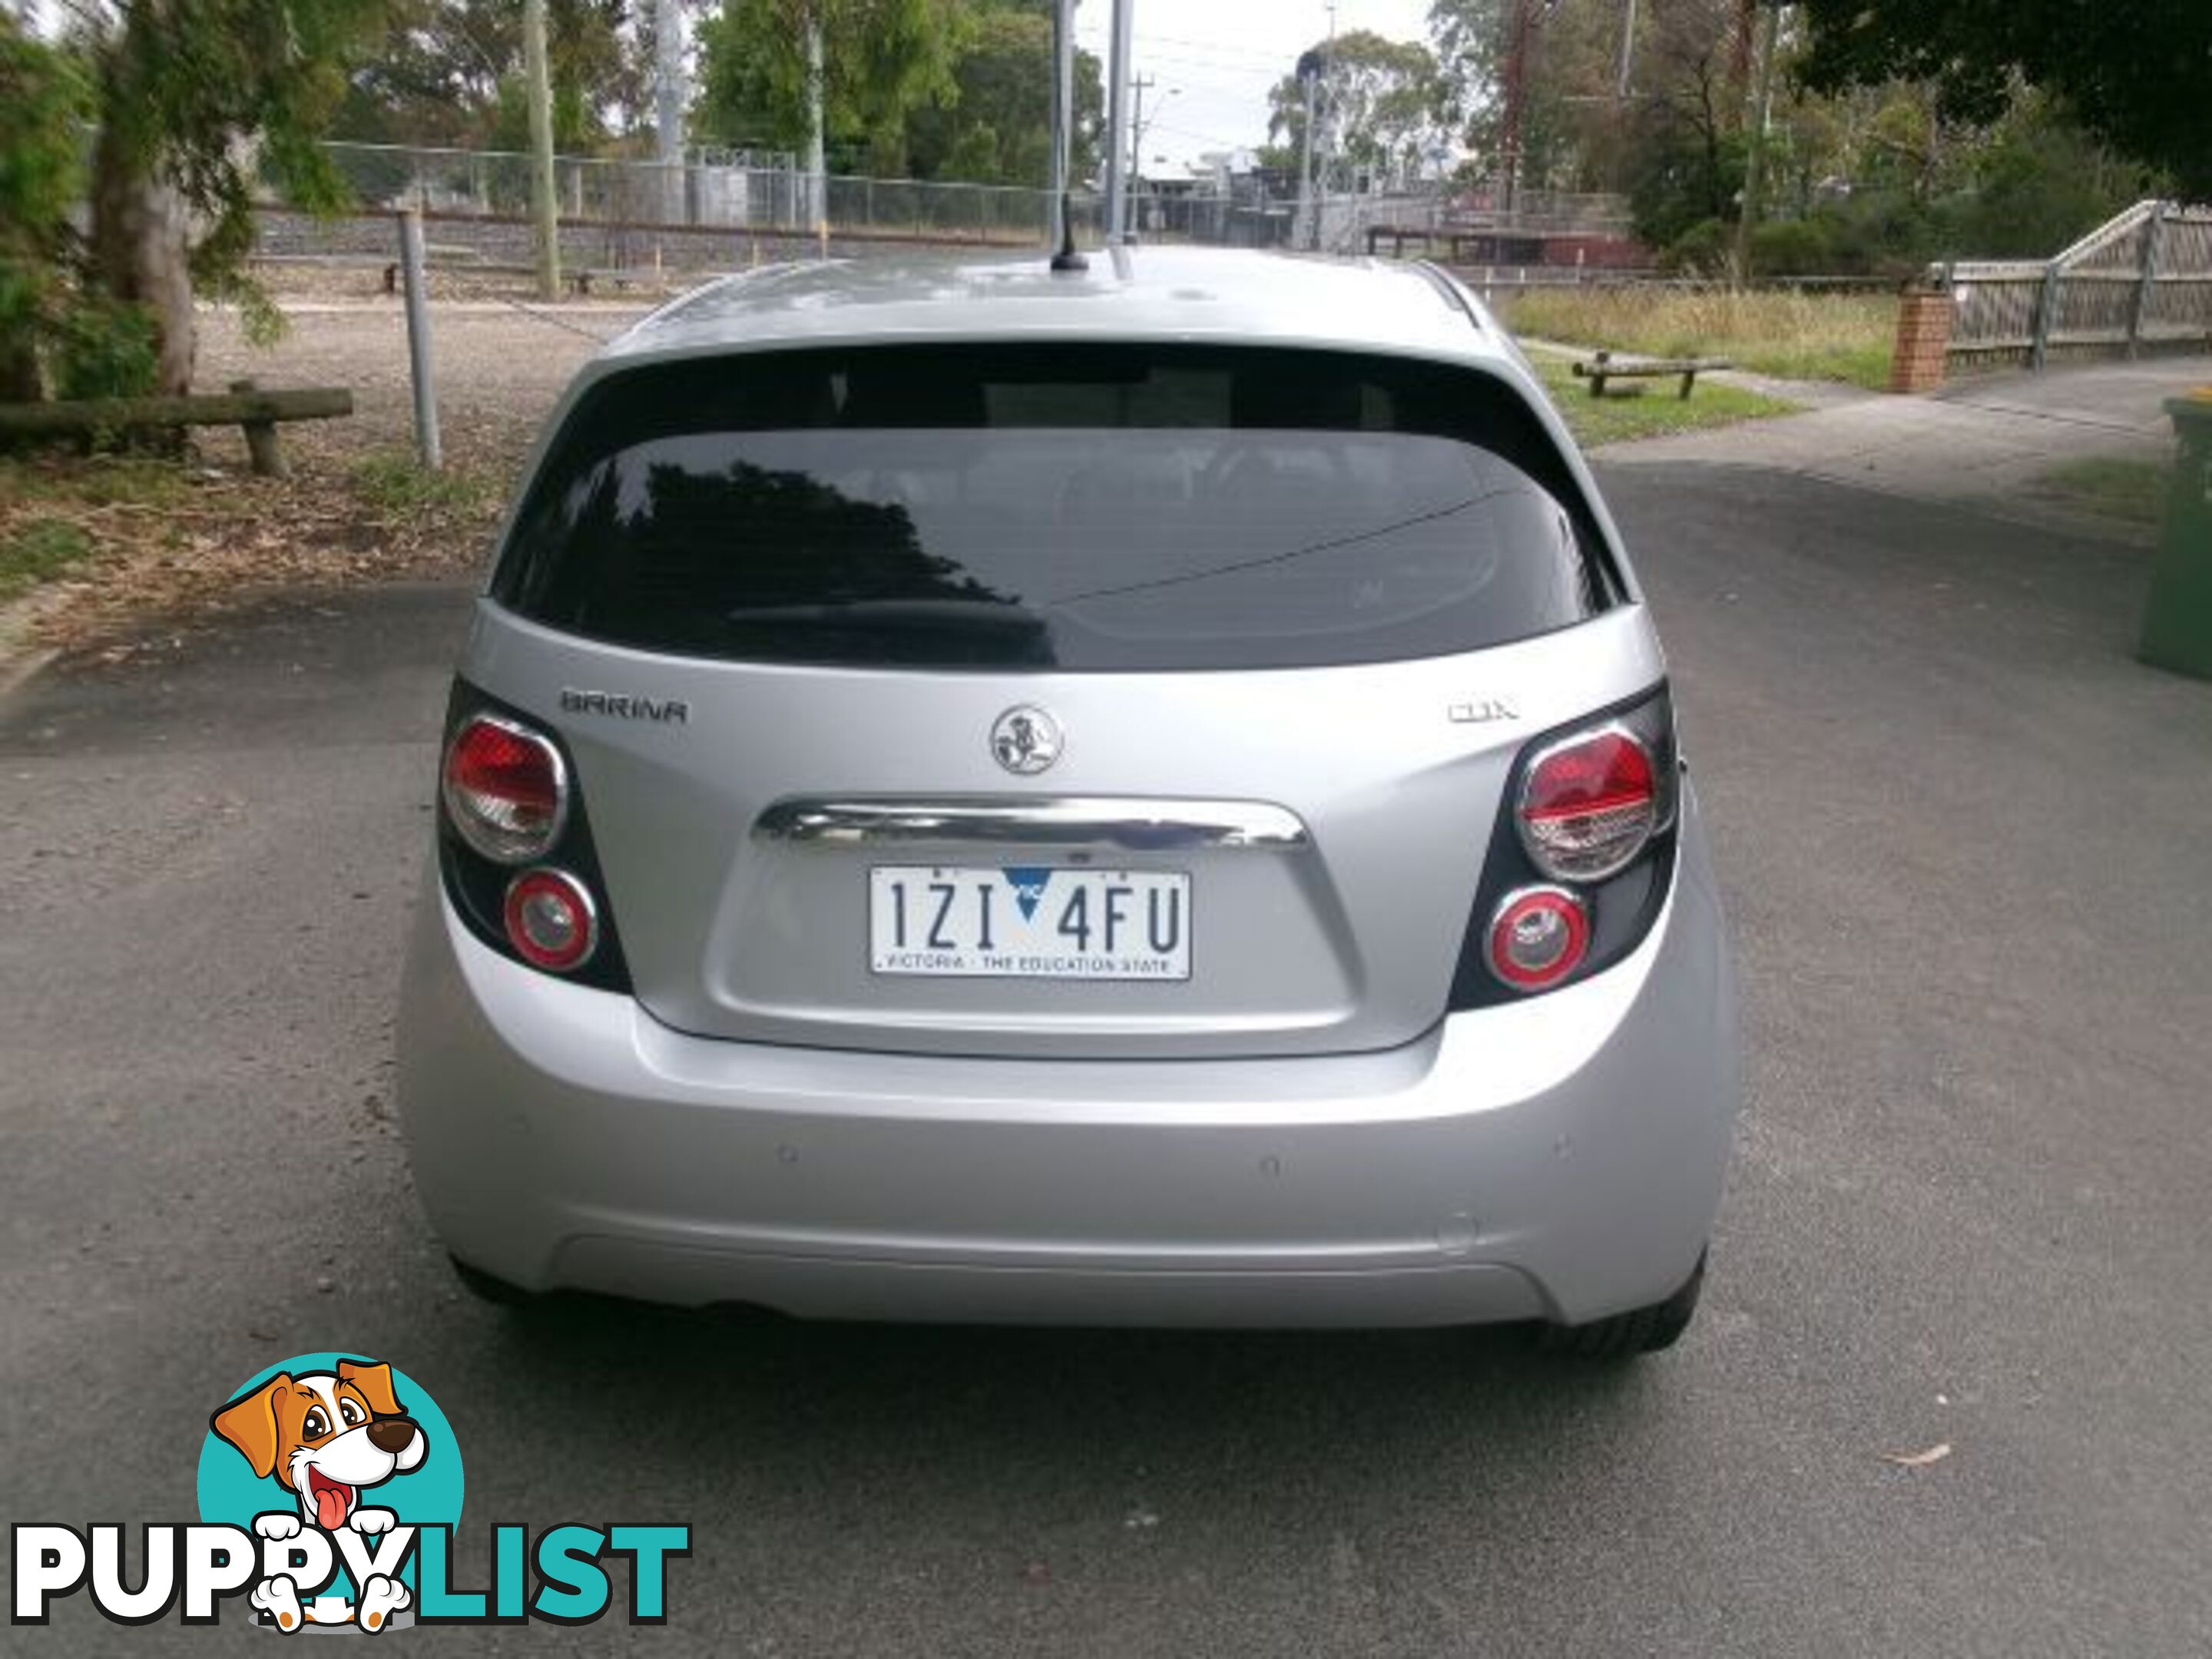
(1965, 840)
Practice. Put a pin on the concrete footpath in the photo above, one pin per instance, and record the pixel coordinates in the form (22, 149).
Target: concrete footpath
(1984, 443)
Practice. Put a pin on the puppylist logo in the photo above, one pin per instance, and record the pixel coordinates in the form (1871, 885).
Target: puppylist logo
(329, 1489)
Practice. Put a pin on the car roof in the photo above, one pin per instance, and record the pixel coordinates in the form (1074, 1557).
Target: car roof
(1129, 293)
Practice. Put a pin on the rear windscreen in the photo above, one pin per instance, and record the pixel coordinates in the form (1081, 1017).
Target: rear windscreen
(1077, 506)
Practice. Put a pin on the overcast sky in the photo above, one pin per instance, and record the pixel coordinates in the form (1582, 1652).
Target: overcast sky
(1212, 61)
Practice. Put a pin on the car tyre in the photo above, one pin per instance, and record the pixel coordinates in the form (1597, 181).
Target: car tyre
(485, 1287)
(1638, 1331)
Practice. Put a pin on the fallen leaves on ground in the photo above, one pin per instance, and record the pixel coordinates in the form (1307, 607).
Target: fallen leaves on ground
(184, 538)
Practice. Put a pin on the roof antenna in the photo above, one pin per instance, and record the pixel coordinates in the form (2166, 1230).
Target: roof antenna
(1063, 103)
(1067, 258)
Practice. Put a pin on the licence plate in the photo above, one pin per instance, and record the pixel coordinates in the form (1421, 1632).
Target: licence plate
(1020, 921)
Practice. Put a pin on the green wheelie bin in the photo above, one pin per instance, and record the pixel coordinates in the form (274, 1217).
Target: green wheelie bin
(2178, 621)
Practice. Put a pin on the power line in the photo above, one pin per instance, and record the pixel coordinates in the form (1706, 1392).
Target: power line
(1192, 63)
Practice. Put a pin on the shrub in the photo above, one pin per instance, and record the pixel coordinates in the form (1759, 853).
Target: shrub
(43, 99)
(1791, 247)
(1706, 249)
(1883, 233)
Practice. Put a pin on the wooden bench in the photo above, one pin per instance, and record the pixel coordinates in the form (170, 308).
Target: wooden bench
(576, 279)
(581, 279)
(466, 267)
(1606, 367)
(245, 405)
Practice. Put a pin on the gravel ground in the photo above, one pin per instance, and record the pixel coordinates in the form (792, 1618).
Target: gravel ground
(498, 365)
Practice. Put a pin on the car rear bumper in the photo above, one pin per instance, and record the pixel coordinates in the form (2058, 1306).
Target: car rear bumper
(1560, 1157)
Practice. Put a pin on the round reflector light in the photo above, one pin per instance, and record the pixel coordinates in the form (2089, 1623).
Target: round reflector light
(551, 920)
(504, 789)
(1537, 937)
(1590, 804)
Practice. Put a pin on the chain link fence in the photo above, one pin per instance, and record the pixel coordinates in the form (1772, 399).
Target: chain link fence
(689, 212)
(728, 209)
(744, 191)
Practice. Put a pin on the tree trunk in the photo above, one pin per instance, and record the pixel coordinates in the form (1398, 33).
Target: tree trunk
(139, 253)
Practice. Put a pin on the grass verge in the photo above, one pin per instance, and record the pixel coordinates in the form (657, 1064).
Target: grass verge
(2120, 488)
(37, 549)
(1792, 336)
(393, 484)
(1656, 413)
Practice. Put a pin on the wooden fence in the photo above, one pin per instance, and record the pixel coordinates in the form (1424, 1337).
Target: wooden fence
(2143, 280)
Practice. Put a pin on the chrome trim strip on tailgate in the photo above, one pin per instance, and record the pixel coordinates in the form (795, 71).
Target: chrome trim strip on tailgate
(1135, 824)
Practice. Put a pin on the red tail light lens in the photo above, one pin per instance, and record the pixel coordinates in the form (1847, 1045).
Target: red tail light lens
(1537, 937)
(551, 920)
(1590, 803)
(506, 789)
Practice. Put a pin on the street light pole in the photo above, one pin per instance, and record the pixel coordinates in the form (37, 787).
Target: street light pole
(1138, 86)
(1309, 75)
(1117, 123)
(540, 89)
(668, 107)
(817, 169)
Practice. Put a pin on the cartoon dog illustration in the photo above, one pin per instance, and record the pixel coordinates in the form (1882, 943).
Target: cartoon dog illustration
(325, 1435)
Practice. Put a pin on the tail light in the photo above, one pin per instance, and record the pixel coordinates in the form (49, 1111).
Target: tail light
(1590, 803)
(506, 789)
(508, 796)
(1579, 864)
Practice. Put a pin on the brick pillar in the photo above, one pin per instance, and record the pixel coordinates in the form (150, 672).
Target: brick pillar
(1924, 335)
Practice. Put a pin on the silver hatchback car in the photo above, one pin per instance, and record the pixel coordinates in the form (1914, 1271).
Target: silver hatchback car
(1147, 795)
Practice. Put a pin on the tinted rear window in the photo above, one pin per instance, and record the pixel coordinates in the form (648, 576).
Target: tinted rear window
(1082, 508)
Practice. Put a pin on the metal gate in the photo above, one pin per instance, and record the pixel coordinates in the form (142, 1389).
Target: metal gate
(2143, 280)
